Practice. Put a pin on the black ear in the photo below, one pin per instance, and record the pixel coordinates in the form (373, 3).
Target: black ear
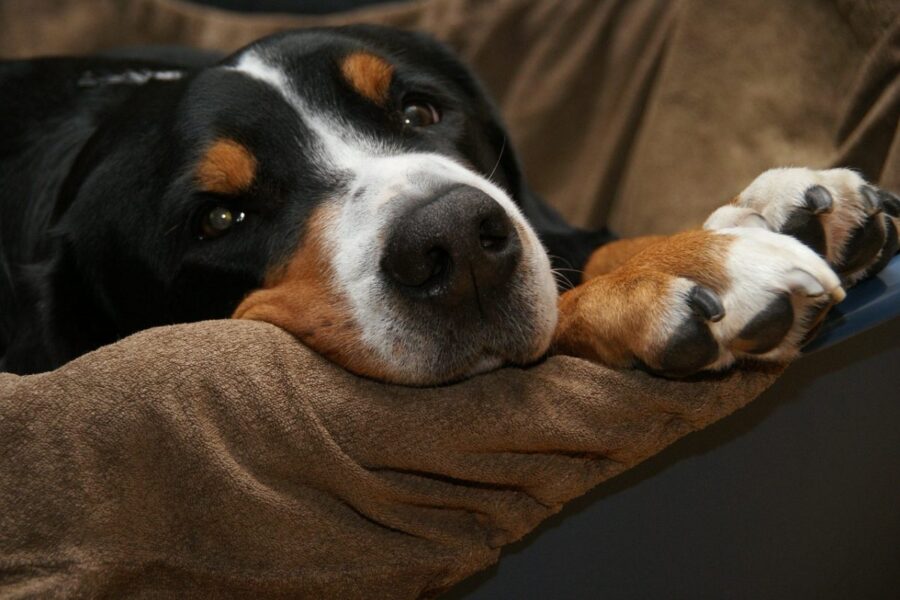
(55, 321)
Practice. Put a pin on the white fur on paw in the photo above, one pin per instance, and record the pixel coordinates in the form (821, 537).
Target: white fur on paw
(777, 193)
(761, 266)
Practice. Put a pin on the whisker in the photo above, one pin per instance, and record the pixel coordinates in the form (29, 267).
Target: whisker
(570, 270)
(561, 278)
(499, 157)
(553, 256)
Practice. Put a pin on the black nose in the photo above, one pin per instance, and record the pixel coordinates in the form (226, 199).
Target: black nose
(458, 246)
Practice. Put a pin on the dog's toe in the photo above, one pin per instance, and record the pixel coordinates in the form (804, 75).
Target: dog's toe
(863, 246)
(691, 345)
(803, 222)
(768, 328)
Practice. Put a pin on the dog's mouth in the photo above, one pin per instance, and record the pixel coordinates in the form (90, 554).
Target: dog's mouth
(448, 288)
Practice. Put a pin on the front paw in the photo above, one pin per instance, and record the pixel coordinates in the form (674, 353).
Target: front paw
(850, 223)
(700, 301)
(774, 293)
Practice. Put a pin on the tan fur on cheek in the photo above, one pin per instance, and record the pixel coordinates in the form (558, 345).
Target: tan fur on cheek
(370, 75)
(226, 167)
(301, 298)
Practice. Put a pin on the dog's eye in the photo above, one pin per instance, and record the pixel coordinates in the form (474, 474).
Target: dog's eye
(217, 221)
(419, 114)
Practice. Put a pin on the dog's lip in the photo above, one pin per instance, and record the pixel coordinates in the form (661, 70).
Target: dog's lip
(486, 364)
(491, 360)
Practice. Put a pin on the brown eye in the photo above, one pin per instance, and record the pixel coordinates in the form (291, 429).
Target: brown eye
(218, 220)
(419, 114)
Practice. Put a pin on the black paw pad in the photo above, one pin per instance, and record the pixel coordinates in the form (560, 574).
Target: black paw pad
(891, 203)
(890, 248)
(804, 224)
(690, 348)
(873, 202)
(863, 246)
(706, 304)
(768, 328)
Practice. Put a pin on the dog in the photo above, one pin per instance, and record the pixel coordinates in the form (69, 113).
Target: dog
(355, 187)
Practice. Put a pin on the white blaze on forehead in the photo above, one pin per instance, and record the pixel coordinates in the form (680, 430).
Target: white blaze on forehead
(343, 148)
(369, 160)
(385, 176)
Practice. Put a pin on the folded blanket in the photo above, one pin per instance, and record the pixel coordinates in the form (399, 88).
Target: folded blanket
(226, 459)
(157, 466)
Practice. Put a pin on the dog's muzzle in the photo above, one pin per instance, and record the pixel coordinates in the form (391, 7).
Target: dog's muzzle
(460, 247)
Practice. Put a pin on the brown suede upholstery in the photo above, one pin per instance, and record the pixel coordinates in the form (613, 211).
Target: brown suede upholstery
(225, 459)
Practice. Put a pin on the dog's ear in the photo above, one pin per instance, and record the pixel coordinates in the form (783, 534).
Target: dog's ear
(49, 299)
(60, 306)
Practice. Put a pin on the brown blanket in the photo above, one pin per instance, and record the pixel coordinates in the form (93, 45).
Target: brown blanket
(223, 458)
(157, 466)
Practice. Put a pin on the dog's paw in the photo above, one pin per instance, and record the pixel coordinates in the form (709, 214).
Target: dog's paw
(850, 223)
(761, 300)
(699, 301)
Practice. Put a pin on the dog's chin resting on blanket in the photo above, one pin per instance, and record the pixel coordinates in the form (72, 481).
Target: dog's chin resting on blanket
(355, 187)
(225, 458)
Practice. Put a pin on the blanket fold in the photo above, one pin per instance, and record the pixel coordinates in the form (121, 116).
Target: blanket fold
(225, 459)
(156, 465)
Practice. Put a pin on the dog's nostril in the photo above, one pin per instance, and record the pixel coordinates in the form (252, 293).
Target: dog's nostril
(460, 247)
(492, 243)
(493, 233)
(408, 267)
(440, 263)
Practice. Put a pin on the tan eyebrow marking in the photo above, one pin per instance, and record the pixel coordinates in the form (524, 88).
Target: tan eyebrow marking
(226, 167)
(370, 75)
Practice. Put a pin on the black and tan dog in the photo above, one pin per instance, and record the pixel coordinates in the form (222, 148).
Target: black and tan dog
(354, 187)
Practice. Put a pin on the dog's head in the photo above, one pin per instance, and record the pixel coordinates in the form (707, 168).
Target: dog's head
(352, 186)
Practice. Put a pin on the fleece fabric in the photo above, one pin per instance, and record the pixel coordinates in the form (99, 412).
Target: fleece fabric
(225, 459)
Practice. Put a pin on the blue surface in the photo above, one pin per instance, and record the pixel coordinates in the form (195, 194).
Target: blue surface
(872, 302)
